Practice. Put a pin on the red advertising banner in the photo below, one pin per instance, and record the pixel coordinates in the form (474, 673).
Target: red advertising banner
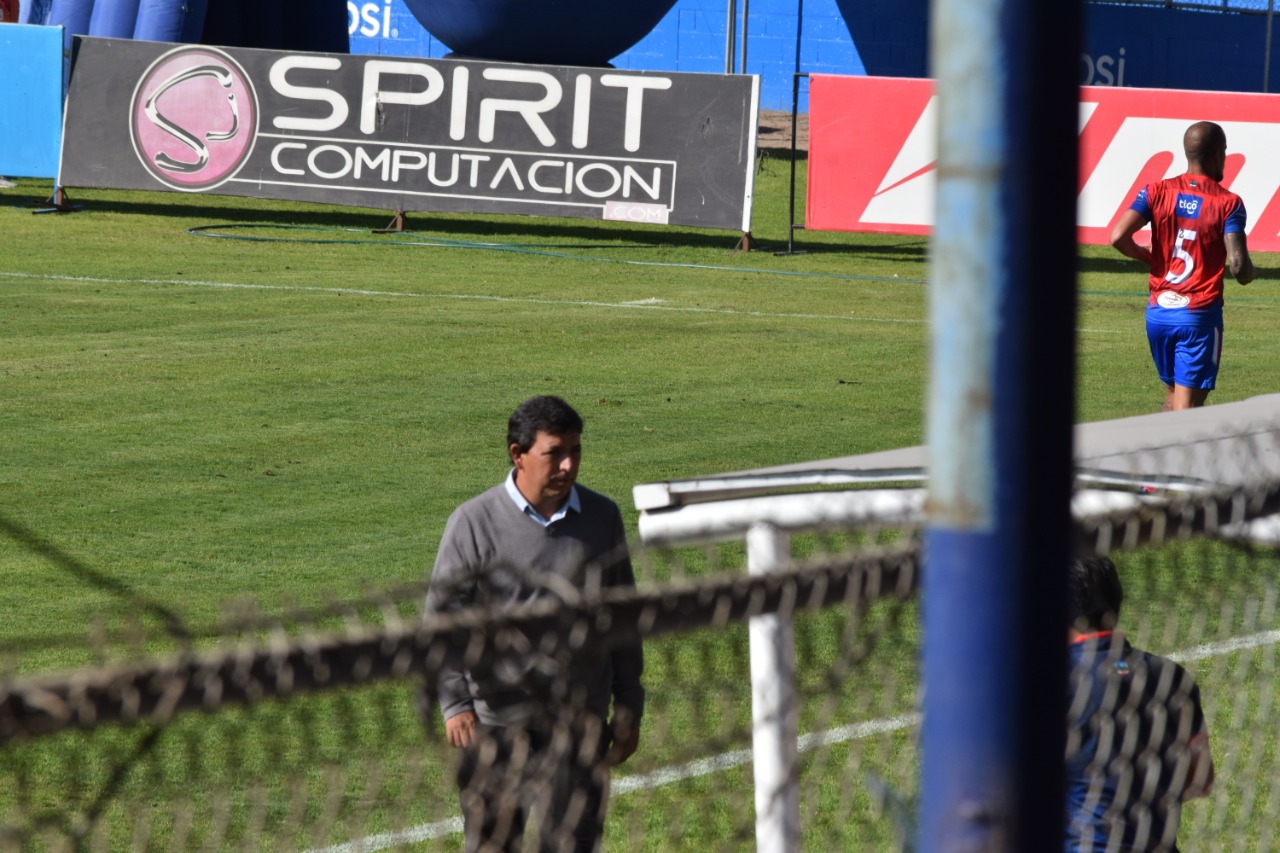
(873, 153)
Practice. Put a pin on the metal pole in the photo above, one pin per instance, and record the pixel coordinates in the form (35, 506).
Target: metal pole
(774, 744)
(1001, 408)
(799, 31)
(746, 11)
(730, 33)
(791, 204)
(795, 114)
(1266, 53)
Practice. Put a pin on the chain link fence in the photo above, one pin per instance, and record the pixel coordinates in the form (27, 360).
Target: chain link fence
(309, 731)
(1242, 6)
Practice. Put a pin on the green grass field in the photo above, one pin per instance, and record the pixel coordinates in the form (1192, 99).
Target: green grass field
(281, 409)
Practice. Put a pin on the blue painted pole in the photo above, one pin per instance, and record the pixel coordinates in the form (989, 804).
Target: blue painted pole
(1001, 409)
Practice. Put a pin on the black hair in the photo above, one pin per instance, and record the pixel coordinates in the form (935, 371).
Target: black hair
(1094, 594)
(541, 414)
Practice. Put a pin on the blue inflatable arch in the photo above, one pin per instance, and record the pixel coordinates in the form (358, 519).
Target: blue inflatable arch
(150, 20)
(558, 32)
(555, 32)
(307, 25)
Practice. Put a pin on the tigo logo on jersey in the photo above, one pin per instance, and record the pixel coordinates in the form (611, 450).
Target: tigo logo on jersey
(194, 118)
(1189, 206)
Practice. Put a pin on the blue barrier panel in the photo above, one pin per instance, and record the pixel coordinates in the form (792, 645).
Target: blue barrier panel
(30, 100)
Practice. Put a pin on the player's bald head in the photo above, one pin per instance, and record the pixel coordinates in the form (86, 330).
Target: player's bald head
(1205, 144)
(1203, 138)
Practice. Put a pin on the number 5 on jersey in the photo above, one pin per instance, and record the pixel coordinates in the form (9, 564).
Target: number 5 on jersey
(1185, 235)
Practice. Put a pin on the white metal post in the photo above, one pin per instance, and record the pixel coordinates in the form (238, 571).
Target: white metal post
(773, 705)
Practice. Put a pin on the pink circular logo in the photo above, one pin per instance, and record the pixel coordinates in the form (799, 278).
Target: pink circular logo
(194, 118)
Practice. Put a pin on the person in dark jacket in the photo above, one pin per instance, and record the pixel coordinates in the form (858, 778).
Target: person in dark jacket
(1137, 742)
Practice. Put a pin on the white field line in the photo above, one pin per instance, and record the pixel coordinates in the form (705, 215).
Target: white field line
(737, 758)
(650, 304)
(630, 784)
(641, 305)
(1225, 647)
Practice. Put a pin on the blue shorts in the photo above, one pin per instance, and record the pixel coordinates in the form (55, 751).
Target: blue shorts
(1186, 351)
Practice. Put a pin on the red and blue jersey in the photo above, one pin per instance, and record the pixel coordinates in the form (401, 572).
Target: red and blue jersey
(1190, 216)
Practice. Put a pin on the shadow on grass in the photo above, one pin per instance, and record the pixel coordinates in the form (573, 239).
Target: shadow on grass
(1265, 274)
(546, 233)
(911, 248)
(1122, 265)
(1118, 264)
(456, 226)
(231, 212)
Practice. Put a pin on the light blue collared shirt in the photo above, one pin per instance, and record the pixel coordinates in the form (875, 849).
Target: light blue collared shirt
(527, 508)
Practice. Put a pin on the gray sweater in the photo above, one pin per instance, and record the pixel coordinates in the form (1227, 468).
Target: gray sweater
(493, 554)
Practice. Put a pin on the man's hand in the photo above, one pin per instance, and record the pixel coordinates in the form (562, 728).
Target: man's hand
(1200, 774)
(1239, 263)
(461, 729)
(626, 738)
(1130, 223)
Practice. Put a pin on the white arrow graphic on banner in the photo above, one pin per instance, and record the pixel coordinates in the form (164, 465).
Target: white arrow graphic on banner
(905, 195)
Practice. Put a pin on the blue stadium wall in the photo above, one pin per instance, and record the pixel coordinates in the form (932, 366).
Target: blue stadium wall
(1124, 46)
(690, 38)
(1151, 47)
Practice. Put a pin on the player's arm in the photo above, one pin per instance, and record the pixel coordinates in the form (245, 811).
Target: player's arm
(1239, 264)
(628, 662)
(1130, 223)
(452, 588)
(1200, 769)
(1200, 774)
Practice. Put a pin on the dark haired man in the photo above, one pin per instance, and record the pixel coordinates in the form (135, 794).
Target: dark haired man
(1137, 744)
(534, 729)
(1197, 230)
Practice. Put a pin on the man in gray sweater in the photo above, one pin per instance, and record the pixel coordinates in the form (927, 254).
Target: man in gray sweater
(534, 727)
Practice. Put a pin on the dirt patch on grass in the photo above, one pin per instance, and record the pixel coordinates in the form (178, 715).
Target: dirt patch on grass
(775, 130)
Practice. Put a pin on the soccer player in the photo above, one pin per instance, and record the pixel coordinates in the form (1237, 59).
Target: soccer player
(1137, 743)
(1197, 233)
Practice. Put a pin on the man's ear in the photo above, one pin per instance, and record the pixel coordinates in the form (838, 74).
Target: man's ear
(513, 451)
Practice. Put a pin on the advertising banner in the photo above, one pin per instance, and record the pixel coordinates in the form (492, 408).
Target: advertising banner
(412, 134)
(873, 153)
(30, 100)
